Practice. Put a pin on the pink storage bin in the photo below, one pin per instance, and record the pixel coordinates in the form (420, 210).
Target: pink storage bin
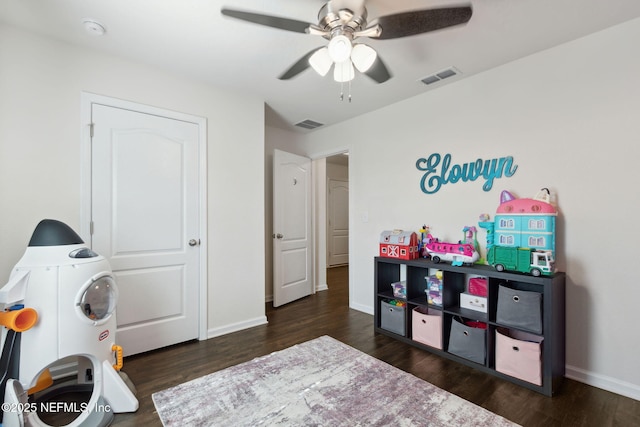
(427, 326)
(478, 286)
(518, 355)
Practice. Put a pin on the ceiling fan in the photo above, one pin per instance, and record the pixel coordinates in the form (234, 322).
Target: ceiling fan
(342, 22)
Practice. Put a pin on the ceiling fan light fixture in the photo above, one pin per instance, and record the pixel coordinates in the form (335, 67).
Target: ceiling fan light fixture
(363, 57)
(343, 71)
(340, 48)
(320, 61)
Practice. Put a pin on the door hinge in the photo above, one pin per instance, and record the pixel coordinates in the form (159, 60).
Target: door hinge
(91, 130)
(91, 228)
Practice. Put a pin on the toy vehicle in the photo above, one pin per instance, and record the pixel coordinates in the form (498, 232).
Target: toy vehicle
(524, 260)
(457, 253)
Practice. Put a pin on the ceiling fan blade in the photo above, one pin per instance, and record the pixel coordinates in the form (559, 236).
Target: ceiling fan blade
(422, 21)
(378, 71)
(301, 65)
(268, 20)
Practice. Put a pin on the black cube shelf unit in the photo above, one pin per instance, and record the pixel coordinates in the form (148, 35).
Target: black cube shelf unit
(455, 278)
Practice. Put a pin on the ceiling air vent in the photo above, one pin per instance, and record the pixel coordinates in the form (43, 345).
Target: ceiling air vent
(440, 75)
(309, 124)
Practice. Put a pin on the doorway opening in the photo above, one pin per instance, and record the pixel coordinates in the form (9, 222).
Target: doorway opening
(332, 247)
(337, 210)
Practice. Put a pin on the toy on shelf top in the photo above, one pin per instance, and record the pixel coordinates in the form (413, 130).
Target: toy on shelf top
(458, 253)
(424, 239)
(399, 244)
(483, 222)
(527, 226)
(524, 260)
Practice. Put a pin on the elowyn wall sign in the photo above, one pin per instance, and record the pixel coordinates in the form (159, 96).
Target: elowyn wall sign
(439, 171)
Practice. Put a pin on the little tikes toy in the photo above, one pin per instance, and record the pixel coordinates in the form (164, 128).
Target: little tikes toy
(72, 290)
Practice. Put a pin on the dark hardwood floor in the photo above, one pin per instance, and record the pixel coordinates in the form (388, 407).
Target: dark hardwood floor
(327, 313)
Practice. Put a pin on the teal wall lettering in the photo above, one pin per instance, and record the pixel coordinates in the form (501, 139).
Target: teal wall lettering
(439, 171)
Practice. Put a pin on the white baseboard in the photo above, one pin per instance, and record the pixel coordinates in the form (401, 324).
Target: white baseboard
(363, 308)
(604, 382)
(234, 327)
(269, 298)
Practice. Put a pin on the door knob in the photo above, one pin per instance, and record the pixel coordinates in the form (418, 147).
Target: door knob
(278, 236)
(194, 242)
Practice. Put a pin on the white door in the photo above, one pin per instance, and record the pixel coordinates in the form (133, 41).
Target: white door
(338, 218)
(145, 211)
(292, 251)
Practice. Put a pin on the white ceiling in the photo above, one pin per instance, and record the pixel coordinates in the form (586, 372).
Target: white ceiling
(192, 38)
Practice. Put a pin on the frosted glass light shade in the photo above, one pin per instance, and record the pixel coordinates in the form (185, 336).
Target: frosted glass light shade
(363, 57)
(343, 71)
(340, 48)
(321, 62)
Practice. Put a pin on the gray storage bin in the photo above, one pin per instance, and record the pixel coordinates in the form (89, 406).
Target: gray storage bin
(392, 318)
(468, 342)
(520, 309)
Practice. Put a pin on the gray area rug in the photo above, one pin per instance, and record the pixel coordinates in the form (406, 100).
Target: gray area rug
(321, 382)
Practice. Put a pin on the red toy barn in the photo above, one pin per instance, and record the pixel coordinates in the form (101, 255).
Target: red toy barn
(399, 244)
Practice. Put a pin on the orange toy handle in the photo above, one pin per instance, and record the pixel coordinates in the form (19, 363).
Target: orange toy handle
(119, 361)
(19, 320)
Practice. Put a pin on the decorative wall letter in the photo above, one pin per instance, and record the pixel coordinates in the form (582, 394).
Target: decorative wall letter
(439, 171)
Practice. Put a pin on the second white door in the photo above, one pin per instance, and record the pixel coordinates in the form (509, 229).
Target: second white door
(292, 250)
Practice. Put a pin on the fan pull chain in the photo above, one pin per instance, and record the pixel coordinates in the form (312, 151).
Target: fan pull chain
(342, 91)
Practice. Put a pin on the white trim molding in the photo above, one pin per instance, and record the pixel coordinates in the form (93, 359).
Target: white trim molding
(235, 327)
(604, 382)
(87, 99)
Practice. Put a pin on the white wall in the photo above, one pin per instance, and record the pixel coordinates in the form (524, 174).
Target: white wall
(569, 117)
(319, 174)
(40, 164)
